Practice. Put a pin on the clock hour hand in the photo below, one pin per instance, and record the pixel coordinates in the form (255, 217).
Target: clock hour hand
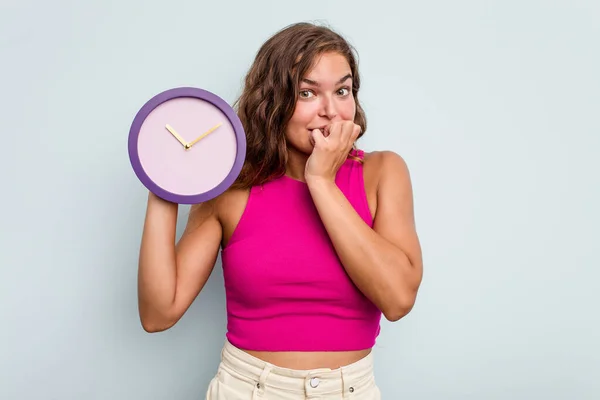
(193, 142)
(174, 133)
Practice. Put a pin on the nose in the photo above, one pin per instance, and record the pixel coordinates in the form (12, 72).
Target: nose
(328, 108)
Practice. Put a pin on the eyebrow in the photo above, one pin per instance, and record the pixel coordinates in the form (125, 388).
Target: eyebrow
(314, 83)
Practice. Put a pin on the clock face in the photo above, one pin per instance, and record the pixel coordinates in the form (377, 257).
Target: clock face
(187, 145)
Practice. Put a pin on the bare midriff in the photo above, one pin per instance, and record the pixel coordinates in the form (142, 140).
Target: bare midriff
(303, 360)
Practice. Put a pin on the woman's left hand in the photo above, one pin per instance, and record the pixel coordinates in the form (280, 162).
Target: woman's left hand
(330, 152)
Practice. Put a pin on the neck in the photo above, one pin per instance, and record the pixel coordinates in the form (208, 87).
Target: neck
(296, 164)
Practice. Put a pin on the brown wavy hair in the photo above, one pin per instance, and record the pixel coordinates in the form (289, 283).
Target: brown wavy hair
(271, 90)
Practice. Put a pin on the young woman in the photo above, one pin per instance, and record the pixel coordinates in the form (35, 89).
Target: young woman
(317, 238)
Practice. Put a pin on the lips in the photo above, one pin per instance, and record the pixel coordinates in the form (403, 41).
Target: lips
(324, 129)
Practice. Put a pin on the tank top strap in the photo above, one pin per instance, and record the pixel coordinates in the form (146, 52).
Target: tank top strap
(358, 153)
(350, 180)
(352, 168)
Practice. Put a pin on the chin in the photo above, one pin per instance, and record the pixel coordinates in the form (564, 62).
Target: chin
(304, 149)
(307, 150)
(300, 142)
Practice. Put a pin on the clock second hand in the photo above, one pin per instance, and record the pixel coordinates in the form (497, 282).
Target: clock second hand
(203, 135)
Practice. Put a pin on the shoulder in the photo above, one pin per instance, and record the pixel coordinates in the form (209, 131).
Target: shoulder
(384, 159)
(385, 167)
(220, 205)
(232, 201)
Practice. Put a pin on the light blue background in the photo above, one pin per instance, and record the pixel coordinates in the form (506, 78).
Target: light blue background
(493, 104)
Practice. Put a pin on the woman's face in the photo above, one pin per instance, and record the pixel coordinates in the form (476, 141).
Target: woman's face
(325, 96)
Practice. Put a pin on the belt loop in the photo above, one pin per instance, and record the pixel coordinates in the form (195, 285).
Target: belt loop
(347, 389)
(343, 378)
(259, 389)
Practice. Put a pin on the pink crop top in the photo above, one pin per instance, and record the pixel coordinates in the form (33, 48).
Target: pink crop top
(286, 289)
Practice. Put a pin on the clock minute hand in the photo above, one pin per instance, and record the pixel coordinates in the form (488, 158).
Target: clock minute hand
(204, 134)
(174, 133)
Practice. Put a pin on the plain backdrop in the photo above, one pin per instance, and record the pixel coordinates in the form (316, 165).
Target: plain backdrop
(493, 104)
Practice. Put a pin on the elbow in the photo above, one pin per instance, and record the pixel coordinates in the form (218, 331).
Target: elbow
(401, 301)
(399, 309)
(153, 324)
(397, 313)
(153, 327)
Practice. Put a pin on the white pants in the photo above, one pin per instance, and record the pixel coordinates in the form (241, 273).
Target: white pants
(241, 376)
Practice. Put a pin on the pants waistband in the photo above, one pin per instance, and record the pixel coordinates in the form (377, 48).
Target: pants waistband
(322, 380)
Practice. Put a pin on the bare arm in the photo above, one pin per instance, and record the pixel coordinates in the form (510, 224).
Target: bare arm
(171, 275)
(383, 262)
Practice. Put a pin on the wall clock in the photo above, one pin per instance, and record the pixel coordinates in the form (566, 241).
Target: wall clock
(187, 145)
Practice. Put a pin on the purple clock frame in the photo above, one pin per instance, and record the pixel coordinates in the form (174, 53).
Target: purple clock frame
(198, 93)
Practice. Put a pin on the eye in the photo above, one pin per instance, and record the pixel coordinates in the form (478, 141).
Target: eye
(305, 94)
(344, 91)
